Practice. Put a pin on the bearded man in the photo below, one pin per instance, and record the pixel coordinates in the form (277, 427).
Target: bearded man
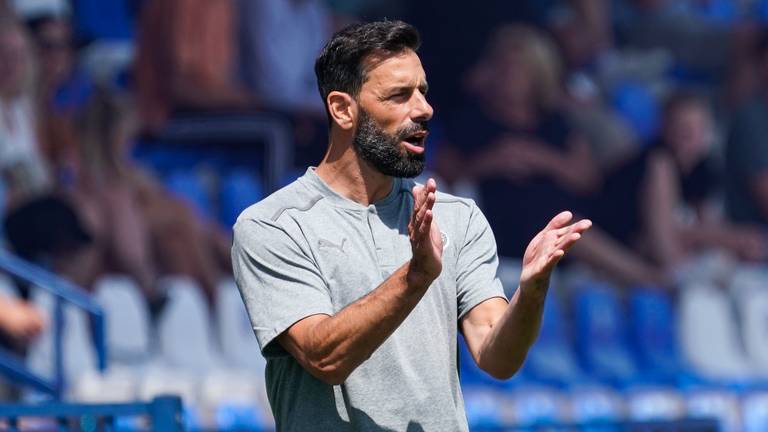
(357, 279)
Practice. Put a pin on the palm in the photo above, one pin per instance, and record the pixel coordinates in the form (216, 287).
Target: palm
(548, 247)
(426, 240)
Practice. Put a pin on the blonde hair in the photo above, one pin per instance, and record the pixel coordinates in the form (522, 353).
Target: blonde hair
(537, 51)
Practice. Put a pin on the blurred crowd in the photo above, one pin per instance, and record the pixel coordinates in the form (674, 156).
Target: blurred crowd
(647, 116)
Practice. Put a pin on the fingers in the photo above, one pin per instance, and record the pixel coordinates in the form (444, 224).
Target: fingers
(578, 227)
(424, 200)
(559, 221)
(424, 216)
(421, 192)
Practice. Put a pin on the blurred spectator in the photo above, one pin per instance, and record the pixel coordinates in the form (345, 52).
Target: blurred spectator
(186, 59)
(278, 65)
(521, 146)
(525, 157)
(41, 225)
(21, 163)
(158, 233)
(20, 322)
(64, 89)
(663, 201)
(609, 136)
(747, 152)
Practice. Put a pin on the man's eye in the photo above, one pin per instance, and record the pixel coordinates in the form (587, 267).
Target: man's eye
(398, 96)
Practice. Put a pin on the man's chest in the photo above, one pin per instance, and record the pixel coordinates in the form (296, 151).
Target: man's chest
(362, 250)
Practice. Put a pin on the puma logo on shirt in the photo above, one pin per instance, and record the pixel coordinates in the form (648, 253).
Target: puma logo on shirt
(323, 243)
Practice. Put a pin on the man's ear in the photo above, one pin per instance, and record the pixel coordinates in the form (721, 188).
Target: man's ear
(343, 109)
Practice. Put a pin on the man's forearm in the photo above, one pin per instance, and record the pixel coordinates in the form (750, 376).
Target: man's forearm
(507, 344)
(342, 342)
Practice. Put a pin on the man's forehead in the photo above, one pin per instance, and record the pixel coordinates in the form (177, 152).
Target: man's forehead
(386, 69)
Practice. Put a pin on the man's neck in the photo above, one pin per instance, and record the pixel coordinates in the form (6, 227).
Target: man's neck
(344, 172)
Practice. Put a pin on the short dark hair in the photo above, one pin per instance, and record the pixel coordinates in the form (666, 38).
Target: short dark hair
(340, 64)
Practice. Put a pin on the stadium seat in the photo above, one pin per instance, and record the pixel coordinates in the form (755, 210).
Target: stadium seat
(78, 354)
(709, 334)
(653, 330)
(189, 185)
(601, 341)
(484, 407)
(533, 404)
(654, 404)
(161, 379)
(185, 314)
(719, 404)
(754, 411)
(551, 359)
(748, 287)
(595, 403)
(127, 319)
(638, 107)
(118, 384)
(238, 400)
(96, 19)
(236, 337)
(239, 189)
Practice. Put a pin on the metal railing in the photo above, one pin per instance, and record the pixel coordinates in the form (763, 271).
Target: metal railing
(162, 414)
(11, 365)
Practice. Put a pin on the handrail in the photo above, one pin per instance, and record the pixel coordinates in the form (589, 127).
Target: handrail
(164, 412)
(63, 291)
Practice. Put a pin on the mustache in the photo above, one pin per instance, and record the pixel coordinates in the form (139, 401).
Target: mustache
(411, 129)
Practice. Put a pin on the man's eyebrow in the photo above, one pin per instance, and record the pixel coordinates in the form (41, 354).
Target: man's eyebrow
(422, 87)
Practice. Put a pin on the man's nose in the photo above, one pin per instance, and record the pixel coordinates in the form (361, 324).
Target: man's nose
(422, 110)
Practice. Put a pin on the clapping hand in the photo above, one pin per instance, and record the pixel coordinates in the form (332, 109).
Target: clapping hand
(426, 241)
(547, 249)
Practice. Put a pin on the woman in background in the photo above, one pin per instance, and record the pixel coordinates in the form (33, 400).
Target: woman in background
(526, 158)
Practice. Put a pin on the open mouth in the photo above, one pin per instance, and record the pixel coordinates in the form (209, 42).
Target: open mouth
(417, 139)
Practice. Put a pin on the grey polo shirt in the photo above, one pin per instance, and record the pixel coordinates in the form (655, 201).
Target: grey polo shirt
(307, 250)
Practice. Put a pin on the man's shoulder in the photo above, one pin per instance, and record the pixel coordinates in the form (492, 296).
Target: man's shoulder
(293, 196)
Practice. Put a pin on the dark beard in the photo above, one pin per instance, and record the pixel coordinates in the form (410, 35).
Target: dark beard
(382, 150)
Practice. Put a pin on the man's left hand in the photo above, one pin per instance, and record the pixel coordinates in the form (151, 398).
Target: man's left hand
(547, 249)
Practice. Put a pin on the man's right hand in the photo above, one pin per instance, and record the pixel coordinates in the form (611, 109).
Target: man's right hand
(426, 240)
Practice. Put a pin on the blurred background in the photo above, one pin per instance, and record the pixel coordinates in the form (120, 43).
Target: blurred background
(133, 132)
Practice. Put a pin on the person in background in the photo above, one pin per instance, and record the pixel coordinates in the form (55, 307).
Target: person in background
(663, 202)
(64, 90)
(526, 157)
(187, 60)
(22, 165)
(747, 151)
(158, 233)
(278, 66)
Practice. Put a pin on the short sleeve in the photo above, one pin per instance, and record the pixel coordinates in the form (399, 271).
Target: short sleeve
(477, 264)
(279, 282)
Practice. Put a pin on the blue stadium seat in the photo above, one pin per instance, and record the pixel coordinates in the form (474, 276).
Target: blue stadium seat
(601, 337)
(653, 330)
(234, 417)
(638, 107)
(551, 360)
(189, 185)
(754, 412)
(239, 189)
(470, 373)
(99, 19)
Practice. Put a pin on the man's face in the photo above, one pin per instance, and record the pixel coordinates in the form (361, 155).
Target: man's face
(393, 115)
